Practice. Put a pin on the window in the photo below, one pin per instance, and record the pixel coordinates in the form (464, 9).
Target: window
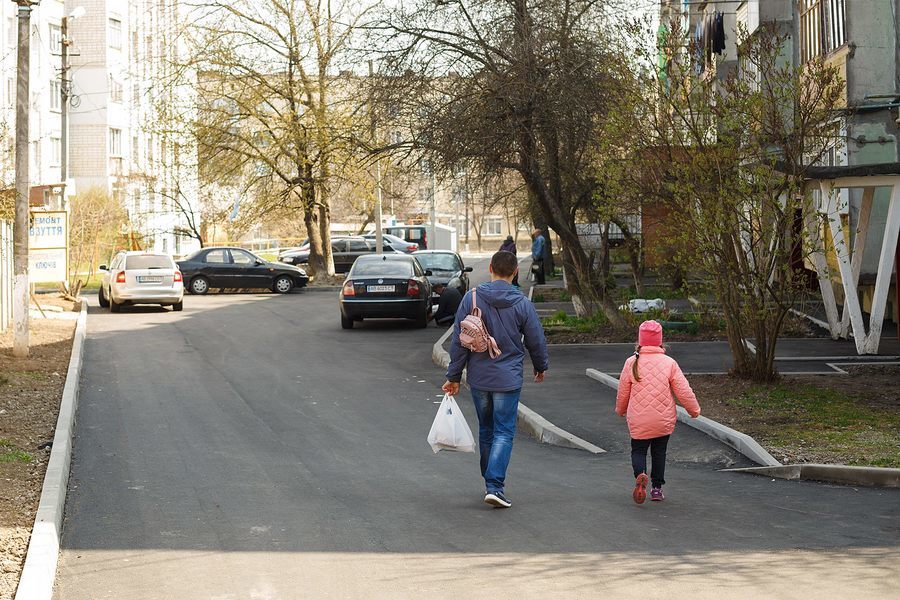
(55, 151)
(462, 227)
(822, 27)
(492, 226)
(217, 257)
(115, 142)
(115, 90)
(242, 257)
(11, 90)
(115, 33)
(359, 246)
(55, 39)
(12, 32)
(135, 148)
(55, 95)
(148, 261)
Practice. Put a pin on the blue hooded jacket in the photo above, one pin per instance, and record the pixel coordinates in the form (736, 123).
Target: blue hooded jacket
(508, 315)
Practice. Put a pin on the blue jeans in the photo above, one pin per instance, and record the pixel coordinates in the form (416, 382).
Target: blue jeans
(496, 429)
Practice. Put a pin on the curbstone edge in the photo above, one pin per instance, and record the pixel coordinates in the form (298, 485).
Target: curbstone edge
(527, 420)
(39, 571)
(741, 442)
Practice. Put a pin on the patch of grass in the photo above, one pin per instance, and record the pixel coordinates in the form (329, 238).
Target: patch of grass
(537, 298)
(825, 421)
(577, 324)
(9, 452)
(3, 379)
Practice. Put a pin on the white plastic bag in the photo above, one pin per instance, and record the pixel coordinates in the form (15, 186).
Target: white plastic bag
(450, 430)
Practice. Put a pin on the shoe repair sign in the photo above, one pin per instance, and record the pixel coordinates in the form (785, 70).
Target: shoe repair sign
(48, 246)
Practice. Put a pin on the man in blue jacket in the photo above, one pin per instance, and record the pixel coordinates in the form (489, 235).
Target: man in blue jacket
(538, 249)
(497, 383)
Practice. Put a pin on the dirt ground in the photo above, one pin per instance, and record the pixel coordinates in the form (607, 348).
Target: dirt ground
(30, 391)
(839, 419)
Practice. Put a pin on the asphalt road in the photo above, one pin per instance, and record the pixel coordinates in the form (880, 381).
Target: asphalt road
(249, 447)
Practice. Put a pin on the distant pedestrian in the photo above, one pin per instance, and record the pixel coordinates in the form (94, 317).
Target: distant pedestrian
(538, 250)
(496, 383)
(509, 245)
(645, 396)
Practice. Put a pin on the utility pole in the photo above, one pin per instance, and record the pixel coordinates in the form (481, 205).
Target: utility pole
(23, 182)
(433, 239)
(65, 91)
(379, 234)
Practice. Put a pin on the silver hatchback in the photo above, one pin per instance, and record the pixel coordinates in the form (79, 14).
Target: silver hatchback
(141, 278)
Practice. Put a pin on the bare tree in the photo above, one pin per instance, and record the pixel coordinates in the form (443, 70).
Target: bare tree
(516, 85)
(272, 112)
(96, 218)
(729, 157)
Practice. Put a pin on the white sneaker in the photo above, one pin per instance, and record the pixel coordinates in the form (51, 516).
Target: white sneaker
(497, 499)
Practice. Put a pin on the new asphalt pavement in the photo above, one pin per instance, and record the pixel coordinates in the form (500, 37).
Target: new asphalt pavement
(250, 448)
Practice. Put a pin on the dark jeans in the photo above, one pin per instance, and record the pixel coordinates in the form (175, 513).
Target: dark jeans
(657, 448)
(497, 413)
(538, 270)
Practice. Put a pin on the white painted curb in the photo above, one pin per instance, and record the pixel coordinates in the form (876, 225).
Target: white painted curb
(527, 420)
(39, 572)
(741, 442)
(870, 476)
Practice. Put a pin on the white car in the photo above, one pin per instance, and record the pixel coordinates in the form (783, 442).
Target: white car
(141, 278)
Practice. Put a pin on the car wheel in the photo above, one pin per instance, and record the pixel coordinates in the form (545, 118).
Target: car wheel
(102, 299)
(113, 305)
(178, 306)
(346, 323)
(422, 320)
(283, 284)
(199, 285)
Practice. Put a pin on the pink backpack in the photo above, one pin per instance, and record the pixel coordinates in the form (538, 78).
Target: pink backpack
(473, 333)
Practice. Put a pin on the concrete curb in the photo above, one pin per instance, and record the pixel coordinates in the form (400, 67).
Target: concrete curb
(39, 572)
(527, 420)
(741, 442)
(868, 476)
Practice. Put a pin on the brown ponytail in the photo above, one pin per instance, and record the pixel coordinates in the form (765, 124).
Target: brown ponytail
(634, 365)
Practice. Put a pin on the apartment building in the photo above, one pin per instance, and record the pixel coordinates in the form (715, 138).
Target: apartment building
(123, 51)
(45, 143)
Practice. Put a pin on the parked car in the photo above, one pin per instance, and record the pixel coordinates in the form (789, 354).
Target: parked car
(141, 278)
(447, 270)
(393, 242)
(225, 267)
(344, 250)
(392, 286)
(417, 234)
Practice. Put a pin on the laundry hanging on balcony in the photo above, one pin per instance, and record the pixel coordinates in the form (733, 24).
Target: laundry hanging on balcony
(709, 39)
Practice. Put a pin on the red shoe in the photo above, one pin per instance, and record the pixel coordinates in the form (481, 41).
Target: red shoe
(640, 488)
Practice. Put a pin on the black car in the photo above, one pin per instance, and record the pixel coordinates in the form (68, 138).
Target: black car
(222, 267)
(387, 286)
(344, 250)
(447, 270)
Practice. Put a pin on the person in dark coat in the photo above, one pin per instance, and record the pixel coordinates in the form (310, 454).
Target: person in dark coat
(447, 306)
(510, 246)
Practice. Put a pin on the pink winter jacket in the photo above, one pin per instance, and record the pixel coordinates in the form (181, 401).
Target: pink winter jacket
(648, 403)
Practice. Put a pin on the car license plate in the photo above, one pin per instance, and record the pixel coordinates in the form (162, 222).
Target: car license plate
(148, 279)
(380, 288)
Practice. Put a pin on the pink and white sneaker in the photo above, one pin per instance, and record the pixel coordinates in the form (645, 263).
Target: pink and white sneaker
(656, 495)
(640, 488)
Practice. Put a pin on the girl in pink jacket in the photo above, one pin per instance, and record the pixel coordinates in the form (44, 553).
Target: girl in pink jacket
(646, 388)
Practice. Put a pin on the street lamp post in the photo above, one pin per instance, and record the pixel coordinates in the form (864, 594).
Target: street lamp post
(20, 224)
(65, 91)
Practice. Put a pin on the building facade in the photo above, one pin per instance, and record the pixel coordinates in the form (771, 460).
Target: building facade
(124, 51)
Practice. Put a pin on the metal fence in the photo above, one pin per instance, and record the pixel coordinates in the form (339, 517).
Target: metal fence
(6, 274)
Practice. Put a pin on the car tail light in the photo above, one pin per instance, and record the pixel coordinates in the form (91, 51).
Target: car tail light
(412, 288)
(120, 278)
(425, 239)
(412, 247)
(178, 276)
(348, 289)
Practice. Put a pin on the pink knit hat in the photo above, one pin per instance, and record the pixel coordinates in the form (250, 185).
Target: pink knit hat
(650, 334)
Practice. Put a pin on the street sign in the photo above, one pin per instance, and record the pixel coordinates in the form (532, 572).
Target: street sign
(48, 246)
(47, 266)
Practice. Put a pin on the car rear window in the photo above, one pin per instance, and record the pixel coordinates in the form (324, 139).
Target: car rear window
(382, 268)
(438, 262)
(148, 261)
